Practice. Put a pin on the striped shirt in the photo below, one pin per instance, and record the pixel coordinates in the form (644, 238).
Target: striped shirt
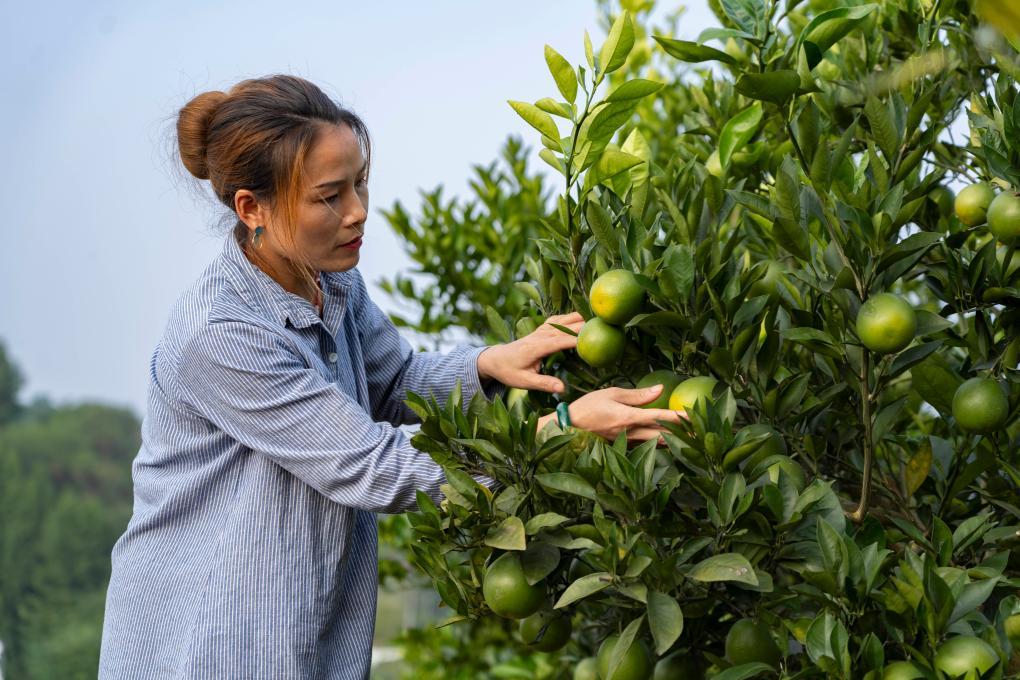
(270, 440)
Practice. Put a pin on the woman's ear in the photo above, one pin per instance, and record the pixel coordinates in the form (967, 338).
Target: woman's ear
(249, 210)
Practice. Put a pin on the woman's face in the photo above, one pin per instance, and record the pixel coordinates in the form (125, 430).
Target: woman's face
(332, 207)
(333, 210)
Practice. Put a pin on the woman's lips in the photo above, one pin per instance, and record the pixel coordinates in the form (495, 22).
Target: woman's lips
(352, 245)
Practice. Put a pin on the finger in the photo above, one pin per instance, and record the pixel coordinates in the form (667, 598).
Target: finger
(656, 414)
(643, 434)
(564, 319)
(637, 397)
(543, 383)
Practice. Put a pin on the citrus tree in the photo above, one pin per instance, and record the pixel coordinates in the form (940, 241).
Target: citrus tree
(765, 221)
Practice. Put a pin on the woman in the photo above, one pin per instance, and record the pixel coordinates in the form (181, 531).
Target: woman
(271, 437)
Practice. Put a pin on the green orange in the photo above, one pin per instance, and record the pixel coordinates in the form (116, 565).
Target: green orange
(507, 591)
(690, 391)
(668, 379)
(903, 670)
(557, 630)
(587, 669)
(979, 405)
(677, 666)
(972, 203)
(750, 641)
(965, 656)
(1012, 627)
(600, 344)
(1004, 216)
(636, 663)
(616, 296)
(886, 323)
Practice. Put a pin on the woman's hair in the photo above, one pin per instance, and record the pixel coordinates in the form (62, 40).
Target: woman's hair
(256, 136)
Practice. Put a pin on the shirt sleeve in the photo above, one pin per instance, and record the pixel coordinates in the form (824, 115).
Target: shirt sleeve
(393, 369)
(252, 384)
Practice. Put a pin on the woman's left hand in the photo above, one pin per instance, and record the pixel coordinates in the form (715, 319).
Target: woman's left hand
(517, 364)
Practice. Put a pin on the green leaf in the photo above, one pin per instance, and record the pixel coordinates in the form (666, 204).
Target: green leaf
(788, 229)
(601, 224)
(537, 118)
(589, 54)
(553, 160)
(973, 596)
(916, 468)
(618, 44)
(583, 587)
(611, 163)
(634, 89)
(509, 535)
(738, 131)
(623, 644)
(608, 120)
(722, 33)
(936, 383)
(530, 290)
(566, 482)
(883, 127)
(692, 52)
(678, 266)
(744, 13)
(826, 29)
(725, 567)
(666, 620)
(774, 86)
(929, 322)
(556, 108)
(636, 145)
(563, 73)
(538, 561)
(497, 324)
(744, 671)
(546, 519)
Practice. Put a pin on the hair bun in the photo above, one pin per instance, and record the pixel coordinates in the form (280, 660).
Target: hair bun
(193, 124)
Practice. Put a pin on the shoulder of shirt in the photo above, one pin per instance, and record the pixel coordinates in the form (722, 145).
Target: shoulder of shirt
(212, 305)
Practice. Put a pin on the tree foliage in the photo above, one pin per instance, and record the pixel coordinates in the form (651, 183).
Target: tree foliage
(65, 497)
(828, 490)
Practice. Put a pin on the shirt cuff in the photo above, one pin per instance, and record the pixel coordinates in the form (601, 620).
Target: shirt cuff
(472, 383)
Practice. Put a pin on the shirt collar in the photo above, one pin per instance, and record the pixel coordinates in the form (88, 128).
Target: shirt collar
(261, 291)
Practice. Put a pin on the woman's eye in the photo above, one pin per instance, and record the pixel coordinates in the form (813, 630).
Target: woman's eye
(330, 198)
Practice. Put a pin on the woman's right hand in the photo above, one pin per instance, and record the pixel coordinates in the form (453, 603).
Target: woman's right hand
(610, 411)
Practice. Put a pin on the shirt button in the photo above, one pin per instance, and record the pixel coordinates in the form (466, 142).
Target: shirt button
(332, 357)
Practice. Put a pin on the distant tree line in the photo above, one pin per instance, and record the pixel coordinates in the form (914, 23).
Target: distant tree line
(65, 498)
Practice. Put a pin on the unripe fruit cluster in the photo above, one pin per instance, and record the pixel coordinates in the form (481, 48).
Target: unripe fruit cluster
(978, 203)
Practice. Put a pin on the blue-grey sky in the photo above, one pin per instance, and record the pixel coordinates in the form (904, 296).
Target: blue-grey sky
(97, 240)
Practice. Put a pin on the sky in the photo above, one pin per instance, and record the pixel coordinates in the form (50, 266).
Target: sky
(99, 237)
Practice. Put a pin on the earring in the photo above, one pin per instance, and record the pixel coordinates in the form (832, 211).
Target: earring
(256, 238)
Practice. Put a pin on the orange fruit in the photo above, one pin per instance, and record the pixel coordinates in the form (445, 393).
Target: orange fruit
(668, 379)
(979, 405)
(965, 656)
(600, 344)
(557, 630)
(1004, 216)
(972, 203)
(616, 296)
(750, 641)
(690, 391)
(886, 323)
(507, 591)
(903, 670)
(636, 664)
